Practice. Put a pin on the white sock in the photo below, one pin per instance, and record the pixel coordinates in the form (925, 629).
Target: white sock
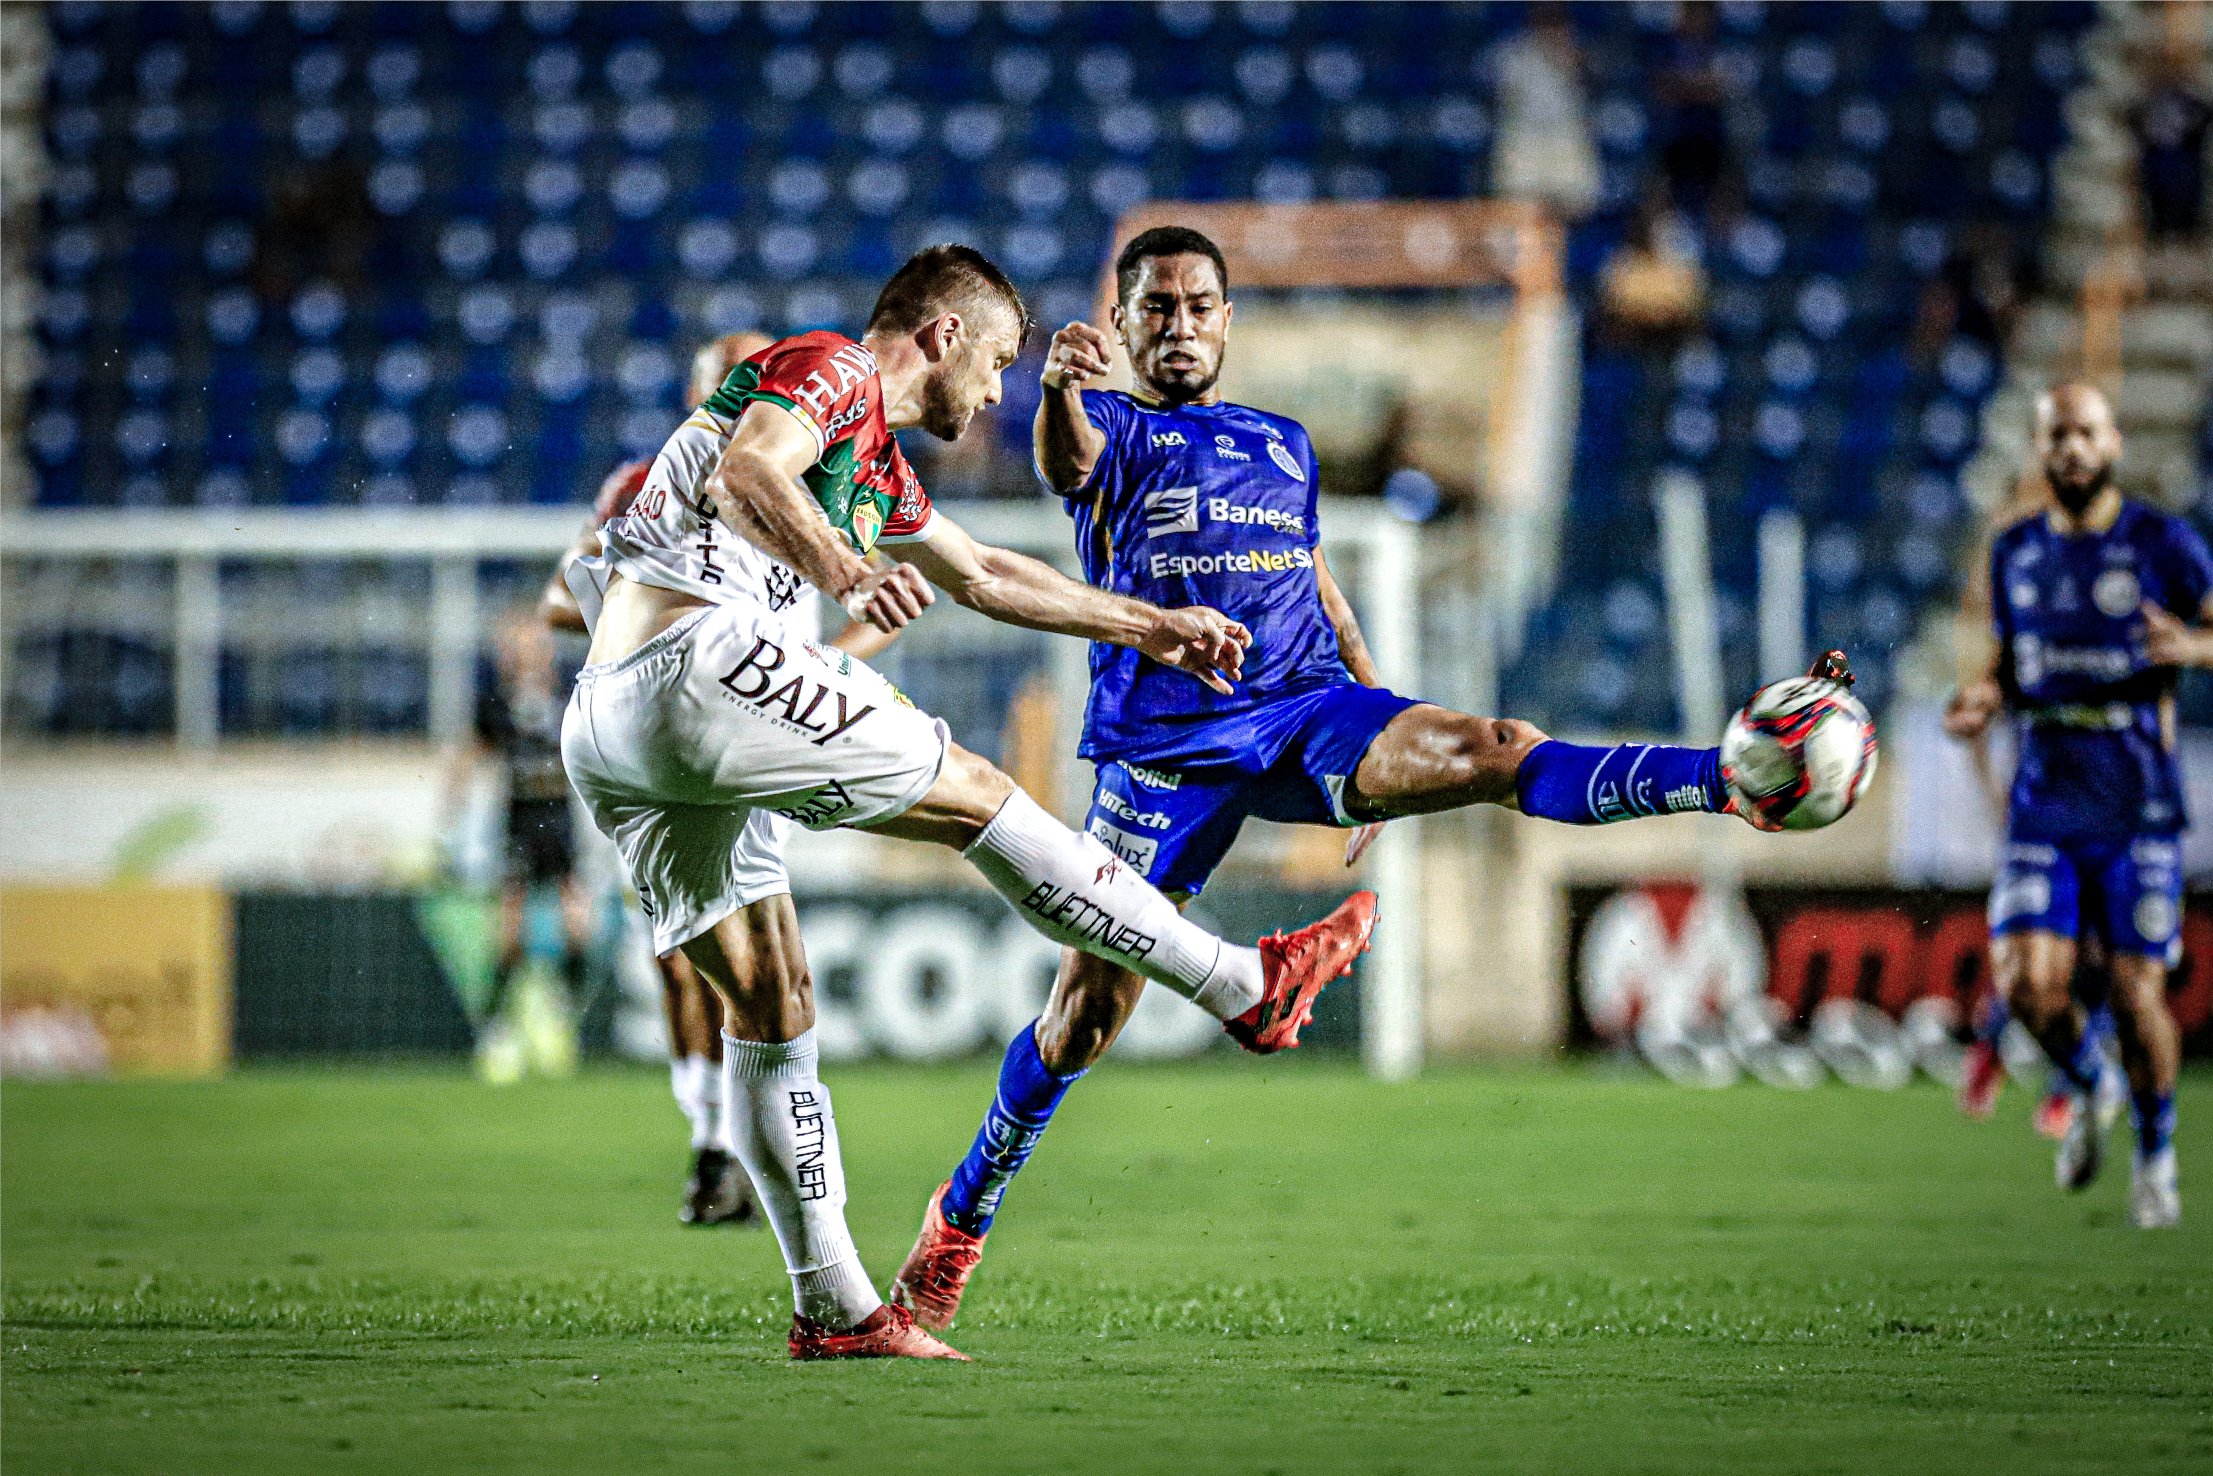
(781, 1125)
(1075, 891)
(696, 1083)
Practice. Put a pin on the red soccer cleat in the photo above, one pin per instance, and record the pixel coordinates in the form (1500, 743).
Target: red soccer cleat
(1982, 1076)
(887, 1332)
(2055, 1115)
(936, 1271)
(1298, 966)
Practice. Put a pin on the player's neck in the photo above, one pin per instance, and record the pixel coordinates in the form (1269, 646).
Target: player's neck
(2098, 514)
(900, 369)
(1151, 396)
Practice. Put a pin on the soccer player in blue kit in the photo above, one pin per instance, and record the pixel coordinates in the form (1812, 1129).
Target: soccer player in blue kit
(2096, 603)
(1181, 497)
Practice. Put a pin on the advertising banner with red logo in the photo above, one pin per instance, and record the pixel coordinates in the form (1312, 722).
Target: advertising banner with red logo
(1792, 985)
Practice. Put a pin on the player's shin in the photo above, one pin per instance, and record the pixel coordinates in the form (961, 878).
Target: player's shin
(1578, 784)
(1075, 891)
(1028, 1092)
(787, 1137)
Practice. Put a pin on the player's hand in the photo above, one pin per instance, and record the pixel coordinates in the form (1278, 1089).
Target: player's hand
(1078, 354)
(1206, 643)
(2167, 641)
(888, 598)
(1968, 714)
(1356, 844)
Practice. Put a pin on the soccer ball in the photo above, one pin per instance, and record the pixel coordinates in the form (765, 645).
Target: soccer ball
(1799, 754)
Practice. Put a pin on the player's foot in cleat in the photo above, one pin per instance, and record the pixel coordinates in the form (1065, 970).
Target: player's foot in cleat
(1982, 1076)
(1830, 666)
(936, 1271)
(2055, 1114)
(887, 1332)
(718, 1192)
(1297, 967)
(2082, 1151)
(2154, 1199)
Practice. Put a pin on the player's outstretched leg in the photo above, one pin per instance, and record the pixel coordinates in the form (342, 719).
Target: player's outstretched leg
(2151, 1052)
(1431, 758)
(1074, 890)
(785, 1132)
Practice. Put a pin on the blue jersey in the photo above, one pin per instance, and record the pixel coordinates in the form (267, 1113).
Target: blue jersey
(1202, 505)
(2094, 758)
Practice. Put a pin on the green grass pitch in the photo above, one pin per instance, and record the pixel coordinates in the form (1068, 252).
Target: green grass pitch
(1224, 1268)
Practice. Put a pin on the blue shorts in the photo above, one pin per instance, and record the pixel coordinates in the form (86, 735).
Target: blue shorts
(1175, 825)
(2128, 890)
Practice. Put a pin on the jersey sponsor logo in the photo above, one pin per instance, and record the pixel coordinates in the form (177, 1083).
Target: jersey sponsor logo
(1137, 850)
(798, 703)
(1153, 778)
(821, 808)
(1225, 446)
(1686, 797)
(2035, 659)
(1173, 510)
(1164, 439)
(2116, 593)
(1222, 510)
(1151, 820)
(1258, 561)
(1065, 907)
(1281, 455)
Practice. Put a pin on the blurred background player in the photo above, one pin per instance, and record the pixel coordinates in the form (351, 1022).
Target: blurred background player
(1180, 497)
(518, 724)
(2095, 604)
(1982, 1074)
(716, 1192)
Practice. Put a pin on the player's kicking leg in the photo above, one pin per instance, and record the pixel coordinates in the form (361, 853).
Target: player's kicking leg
(716, 1192)
(1405, 758)
(2033, 966)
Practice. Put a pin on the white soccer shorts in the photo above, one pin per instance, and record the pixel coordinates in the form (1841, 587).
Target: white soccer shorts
(694, 751)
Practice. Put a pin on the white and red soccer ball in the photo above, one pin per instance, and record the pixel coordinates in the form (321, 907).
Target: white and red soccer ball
(1799, 754)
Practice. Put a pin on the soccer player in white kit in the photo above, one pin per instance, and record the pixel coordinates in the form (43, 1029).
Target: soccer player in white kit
(700, 720)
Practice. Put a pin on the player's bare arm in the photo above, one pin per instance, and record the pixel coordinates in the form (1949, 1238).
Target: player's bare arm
(1066, 444)
(1350, 644)
(557, 605)
(1020, 590)
(758, 494)
(2170, 641)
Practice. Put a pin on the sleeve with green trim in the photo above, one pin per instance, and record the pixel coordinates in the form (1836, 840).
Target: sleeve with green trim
(825, 379)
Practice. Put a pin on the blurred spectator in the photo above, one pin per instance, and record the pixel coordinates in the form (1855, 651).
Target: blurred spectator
(2170, 126)
(1544, 151)
(1978, 293)
(1692, 96)
(1652, 289)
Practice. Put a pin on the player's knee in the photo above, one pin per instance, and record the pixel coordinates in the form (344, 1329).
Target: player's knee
(2138, 990)
(1486, 751)
(2035, 999)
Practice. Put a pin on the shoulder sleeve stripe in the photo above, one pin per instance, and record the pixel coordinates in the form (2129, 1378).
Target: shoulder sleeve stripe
(919, 533)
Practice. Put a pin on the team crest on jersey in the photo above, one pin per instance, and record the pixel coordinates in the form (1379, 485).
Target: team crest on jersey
(2116, 593)
(868, 522)
(1172, 510)
(1281, 455)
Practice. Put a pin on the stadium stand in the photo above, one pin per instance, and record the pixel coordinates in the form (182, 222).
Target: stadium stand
(362, 255)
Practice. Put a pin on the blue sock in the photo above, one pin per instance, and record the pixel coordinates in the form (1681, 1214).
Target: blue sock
(2084, 1065)
(1580, 785)
(1027, 1095)
(2155, 1121)
(1995, 1014)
